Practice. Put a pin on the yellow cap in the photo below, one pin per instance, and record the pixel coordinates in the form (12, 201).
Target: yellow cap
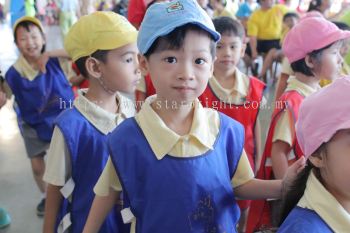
(98, 31)
(28, 19)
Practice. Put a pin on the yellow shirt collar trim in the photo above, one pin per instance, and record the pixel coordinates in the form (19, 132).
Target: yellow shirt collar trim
(165, 139)
(239, 91)
(317, 198)
(101, 119)
(304, 89)
(25, 70)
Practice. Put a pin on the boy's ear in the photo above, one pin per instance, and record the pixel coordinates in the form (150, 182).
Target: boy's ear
(244, 47)
(143, 63)
(92, 66)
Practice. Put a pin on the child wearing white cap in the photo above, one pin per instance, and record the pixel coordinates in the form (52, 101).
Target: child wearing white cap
(180, 165)
(103, 45)
(319, 199)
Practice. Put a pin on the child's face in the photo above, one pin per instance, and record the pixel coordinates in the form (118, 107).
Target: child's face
(334, 166)
(216, 4)
(290, 22)
(120, 72)
(180, 76)
(30, 43)
(329, 64)
(229, 51)
(266, 3)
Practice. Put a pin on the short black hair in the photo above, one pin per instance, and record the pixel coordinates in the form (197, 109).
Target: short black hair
(301, 66)
(315, 5)
(175, 40)
(341, 25)
(227, 25)
(26, 25)
(290, 15)
(100, 55)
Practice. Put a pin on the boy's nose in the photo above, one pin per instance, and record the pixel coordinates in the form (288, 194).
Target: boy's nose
(187, 72)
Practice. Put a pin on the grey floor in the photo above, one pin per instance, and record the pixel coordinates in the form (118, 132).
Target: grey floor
(18, 192)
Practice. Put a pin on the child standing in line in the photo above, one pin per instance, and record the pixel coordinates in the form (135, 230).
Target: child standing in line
(312, 57)
(180, 165)
(103, 46)
(235, 94)
(38, 95)
(318, 200)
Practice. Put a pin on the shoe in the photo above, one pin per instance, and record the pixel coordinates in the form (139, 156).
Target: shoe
(5, 219)
(40, 209)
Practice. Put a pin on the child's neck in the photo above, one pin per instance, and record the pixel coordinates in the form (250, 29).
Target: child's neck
(179, 119)
(226, 78)
(32, 61)
(100, 97)
(311, 81)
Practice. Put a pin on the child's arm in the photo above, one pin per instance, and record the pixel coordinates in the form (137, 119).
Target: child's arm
(2, 99)
(279, 158)
(269, 189)
(52, 206)
(258, 146)
(281, 85)
(42, 61)
(101, 206)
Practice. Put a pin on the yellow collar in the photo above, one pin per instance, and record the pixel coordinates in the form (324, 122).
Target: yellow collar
(237, 94)
(304, 89)
(25, 70)
(317, 198)
(101, 119)
(165, 139)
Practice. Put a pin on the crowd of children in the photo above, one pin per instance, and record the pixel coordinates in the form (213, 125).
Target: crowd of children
(190, 158)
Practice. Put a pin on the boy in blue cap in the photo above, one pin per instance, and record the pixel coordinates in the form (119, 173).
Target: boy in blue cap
(180, 165)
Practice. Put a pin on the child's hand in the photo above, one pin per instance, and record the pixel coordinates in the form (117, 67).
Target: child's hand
(292, 172)
(2, 99)
(42, 61)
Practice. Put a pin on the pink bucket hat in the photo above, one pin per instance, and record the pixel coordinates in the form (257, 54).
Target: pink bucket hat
(322, 114)
(310, 34)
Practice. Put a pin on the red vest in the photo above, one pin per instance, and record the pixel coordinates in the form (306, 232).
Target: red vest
(260, 214)
(246, 113)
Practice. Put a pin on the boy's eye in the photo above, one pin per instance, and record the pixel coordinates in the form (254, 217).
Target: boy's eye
(199, 61)
(129, 60)
(218, 46)
(233, 46)
(171, 60)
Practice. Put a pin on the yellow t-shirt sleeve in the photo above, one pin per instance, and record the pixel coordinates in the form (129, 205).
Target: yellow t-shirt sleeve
(108, 179)
(252, 26)
(244, 172)
(283, 131)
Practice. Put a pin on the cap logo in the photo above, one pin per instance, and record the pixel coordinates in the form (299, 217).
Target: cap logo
(175, 7)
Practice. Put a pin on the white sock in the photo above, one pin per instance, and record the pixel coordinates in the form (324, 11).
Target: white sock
(43, 195)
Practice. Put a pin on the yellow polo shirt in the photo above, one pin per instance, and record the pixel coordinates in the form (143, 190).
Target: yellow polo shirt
(267, 24)
(317, 198)
(202, 136)
(237, 94)
(283, 131)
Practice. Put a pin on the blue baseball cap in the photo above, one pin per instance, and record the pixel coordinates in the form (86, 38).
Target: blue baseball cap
(163, 18)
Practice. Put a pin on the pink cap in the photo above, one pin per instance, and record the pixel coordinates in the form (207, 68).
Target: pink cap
(310, 34)
(322, 114)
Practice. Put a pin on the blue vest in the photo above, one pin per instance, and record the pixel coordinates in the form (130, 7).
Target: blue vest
(175, 195)
(301, 220)
(88, 152)
(42, 99)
